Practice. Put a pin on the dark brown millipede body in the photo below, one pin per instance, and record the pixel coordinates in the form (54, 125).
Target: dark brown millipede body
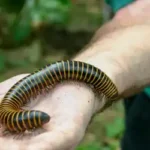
(17, 120)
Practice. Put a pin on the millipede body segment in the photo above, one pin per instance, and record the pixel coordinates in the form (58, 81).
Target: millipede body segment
(17, 120)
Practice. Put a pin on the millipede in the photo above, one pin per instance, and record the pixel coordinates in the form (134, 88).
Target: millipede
(17, 120)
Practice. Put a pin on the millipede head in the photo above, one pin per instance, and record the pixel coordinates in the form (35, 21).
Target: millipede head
(45, 118)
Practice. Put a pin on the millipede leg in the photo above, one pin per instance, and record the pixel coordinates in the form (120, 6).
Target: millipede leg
(6, 132)
(36, 131)
(48, 89)
(16, 135)
(19, 135)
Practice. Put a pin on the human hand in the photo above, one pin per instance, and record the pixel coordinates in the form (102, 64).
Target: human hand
(70, 105)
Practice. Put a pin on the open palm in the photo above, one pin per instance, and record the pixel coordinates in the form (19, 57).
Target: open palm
(70, 105)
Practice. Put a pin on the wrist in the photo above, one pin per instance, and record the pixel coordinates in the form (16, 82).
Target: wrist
(102, 59)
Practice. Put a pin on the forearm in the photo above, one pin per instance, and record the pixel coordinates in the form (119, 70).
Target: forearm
(124, 56)
(133, 14)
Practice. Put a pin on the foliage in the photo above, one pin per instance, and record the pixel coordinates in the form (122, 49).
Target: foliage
(22, 20)
(23, 23)
(113, 131)
(35, 13)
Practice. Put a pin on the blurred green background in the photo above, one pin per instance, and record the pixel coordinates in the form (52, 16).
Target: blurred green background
(37, 32)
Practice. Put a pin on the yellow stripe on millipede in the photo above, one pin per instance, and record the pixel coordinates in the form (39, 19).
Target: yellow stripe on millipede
(56, 75)
(39, 119)
(113, 92)
(23, 122)
(29, 87)
(7, 122)
(10, 104)
(35, 123)
(12, 121)
(64, 69)
(26, 90)
(41, 82)
(109, 89)
(44, 80)
(29, 121)
(101, 81)
(36, 83)
(104, 83)
(11, 101)
(17, 93)
(72, 69)
(48, 79)
(23, 94)
(82, 71)
(4, 117)
(96, 82)
(32, 84)
(51, 76)
(90, 75)
(59, 70)
(86, 72)
(17, 99)
(94, 76)
(17, 121)
(2, 114)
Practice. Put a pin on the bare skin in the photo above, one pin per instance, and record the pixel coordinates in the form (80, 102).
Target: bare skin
(123, 54)
(64, 127)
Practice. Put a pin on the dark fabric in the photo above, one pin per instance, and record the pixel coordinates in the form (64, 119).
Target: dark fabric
(137, 123)
(118, 4)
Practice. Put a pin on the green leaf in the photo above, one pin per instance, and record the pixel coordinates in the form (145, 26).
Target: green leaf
(53, 11)
(21, 26)
(20, 30)
(14, 6)
(115, 128)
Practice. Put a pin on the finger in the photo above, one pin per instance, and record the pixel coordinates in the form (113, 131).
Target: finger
(55, 140)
